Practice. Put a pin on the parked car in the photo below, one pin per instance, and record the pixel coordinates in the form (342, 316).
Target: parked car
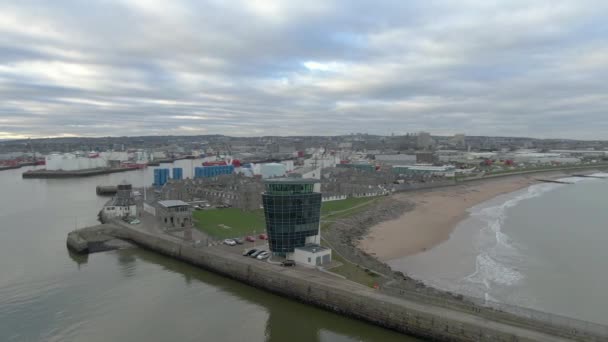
(136, 221)
(238, 241)
(263, 255)
(288, 263)
(256, 253)
(263, 237)
(248, 252)
(229, 242)
(250, 238)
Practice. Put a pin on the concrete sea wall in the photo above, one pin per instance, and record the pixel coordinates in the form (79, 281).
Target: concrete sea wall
(340, 296)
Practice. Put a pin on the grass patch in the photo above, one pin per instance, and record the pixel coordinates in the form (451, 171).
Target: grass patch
(336, 210)
(230, 222)
(353, 272)
(345, 204)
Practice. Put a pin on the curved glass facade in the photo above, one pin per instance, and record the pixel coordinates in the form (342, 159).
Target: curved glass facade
(291, 217)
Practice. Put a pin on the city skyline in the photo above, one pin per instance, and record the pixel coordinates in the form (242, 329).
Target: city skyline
(134, 68)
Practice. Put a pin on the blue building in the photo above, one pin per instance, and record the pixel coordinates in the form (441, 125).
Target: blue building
(213, 171)
(178, 173)
(161, 176)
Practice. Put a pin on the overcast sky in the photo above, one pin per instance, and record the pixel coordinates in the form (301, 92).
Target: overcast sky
(156, 67)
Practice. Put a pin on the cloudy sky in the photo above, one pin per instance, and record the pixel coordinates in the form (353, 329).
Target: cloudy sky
(246, 67)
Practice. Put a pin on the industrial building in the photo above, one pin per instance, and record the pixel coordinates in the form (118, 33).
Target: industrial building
(363, 167)
(292, 209)
(425, 158)
(396, 159)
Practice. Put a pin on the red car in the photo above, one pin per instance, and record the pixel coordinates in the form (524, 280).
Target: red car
(250, 238)
(263, 237)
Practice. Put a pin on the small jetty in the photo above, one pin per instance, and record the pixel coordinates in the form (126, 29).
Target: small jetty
(552, 181)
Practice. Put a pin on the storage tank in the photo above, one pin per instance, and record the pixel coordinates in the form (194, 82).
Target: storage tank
(272, 170)
(161, 176)
(53, 161)
(178, 173)
(289, 166)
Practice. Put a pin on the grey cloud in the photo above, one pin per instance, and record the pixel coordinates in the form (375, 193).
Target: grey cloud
(185, 67)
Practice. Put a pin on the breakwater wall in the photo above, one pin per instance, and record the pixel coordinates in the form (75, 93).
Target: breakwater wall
(71, 174)
(338, 295)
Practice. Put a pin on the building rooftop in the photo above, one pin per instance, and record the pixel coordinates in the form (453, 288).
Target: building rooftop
(173, 203)
(426, 167)
(312, 248)
(303, 170)
(291, 181)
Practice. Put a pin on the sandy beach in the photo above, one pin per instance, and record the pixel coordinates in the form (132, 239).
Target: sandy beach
(436, 214)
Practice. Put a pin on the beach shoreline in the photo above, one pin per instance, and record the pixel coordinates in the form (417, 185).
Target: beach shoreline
(435, 215)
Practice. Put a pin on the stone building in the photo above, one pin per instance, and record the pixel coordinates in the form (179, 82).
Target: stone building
(338, 182)
(234, 190)
(174, 214)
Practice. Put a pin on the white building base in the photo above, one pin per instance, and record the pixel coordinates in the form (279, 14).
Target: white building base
(311, 255)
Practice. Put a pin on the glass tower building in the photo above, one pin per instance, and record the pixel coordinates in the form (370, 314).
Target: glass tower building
(292, 210)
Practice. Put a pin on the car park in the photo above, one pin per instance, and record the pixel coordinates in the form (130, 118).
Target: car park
(248, 252)
(256, 253)
(229, 242)
(288, 263)
(263, 255)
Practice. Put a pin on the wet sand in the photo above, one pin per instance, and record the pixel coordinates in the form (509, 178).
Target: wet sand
(435, 216)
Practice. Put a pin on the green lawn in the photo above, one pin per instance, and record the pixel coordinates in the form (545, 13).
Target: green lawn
(230, 222)
(332, 206)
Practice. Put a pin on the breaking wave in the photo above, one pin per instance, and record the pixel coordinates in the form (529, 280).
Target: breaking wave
(497, 251)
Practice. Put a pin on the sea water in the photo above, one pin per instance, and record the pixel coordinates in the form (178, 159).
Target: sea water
(49, 294)
(543, 247)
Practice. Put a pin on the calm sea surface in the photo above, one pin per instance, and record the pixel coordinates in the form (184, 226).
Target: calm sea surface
(47, 294)
(544, 247)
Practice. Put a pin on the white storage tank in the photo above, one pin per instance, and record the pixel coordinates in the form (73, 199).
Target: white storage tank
(272, 170)
(288, 165)
(71, 162)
